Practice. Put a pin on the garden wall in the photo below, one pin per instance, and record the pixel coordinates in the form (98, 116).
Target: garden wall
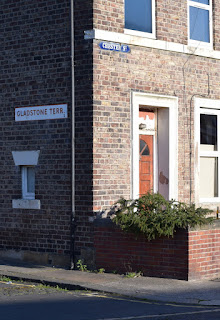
(204, 252)
(191, 254)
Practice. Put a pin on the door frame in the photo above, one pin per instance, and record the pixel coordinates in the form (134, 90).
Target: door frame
(139, 99)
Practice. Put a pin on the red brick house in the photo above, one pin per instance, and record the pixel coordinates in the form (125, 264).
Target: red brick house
(104, 99)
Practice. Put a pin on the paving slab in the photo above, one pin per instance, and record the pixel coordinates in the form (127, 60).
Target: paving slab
(203, 292)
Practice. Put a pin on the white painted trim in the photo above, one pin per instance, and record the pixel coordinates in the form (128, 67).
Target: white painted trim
(103, 35)
(26, 158)
(139, 33)
(195, 43)
(210, 106)
(26, 204)
(157, 101)
(155, 160)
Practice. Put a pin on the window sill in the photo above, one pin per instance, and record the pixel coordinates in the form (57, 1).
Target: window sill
(146, 42)
(26, 204)
(209, 200)
(139, 33)
(199, 45)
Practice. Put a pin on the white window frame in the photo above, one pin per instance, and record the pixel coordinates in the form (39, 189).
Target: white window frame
(26, 159)
(24, 174)
(205, 106)
(208, 8)
(141, 33)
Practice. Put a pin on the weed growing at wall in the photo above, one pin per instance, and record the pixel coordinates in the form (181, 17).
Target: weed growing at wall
(81, 266)
(153, 216)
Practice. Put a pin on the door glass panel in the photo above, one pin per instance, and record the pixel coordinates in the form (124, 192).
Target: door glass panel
(208, 132)
(144, 150)
(208, 177)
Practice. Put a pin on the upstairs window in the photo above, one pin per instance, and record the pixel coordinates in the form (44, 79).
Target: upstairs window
(200, 22)
(140, 17)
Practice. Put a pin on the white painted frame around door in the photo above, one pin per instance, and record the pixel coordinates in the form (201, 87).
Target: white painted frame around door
(156, 101)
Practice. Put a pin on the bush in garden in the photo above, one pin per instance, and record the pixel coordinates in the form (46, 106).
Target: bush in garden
(153, 216)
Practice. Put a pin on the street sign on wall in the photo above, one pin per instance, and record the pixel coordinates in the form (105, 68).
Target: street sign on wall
(114, 46)
(41, 112)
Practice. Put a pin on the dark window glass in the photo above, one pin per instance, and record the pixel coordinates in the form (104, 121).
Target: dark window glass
(138, 15)
(30, 179)
(144, 150)
(208, 130)
(199, 24)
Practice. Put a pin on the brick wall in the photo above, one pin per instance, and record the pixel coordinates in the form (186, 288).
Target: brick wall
(106, 176)
(190, 255)
(171, 19)
(109, 15)
(216, 24)
(36, 70)
(116, 75)
(204, 252)
(123, 252)
(83, 130)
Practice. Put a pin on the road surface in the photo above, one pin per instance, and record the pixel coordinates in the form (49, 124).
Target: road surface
(24, 301)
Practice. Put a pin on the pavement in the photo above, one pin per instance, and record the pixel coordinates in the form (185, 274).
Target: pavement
(202, 292)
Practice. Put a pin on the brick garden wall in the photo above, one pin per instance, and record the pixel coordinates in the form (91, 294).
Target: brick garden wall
(193, 254)
(204, 252)
(36, 70)
(123, 252)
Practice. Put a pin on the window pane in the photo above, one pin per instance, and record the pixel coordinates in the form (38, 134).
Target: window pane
(208, 132)
(138, 15)
(144, 149)
(30, 180)
(199, 24)
(208, 177)
(201, 1)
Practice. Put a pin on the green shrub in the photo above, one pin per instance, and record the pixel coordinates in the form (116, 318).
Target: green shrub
(153, 216)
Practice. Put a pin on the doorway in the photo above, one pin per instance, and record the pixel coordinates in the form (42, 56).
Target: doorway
(158, 170)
